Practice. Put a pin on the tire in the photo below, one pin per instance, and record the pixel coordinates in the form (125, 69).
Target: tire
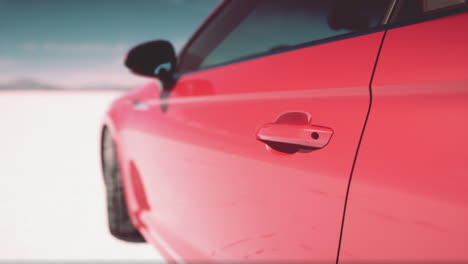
(120, 224)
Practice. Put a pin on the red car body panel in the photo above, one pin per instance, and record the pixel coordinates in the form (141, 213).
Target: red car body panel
(408, 199)
(202, 187)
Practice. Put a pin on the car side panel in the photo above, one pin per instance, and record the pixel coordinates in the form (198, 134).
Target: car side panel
(408, 199)
(215, 192)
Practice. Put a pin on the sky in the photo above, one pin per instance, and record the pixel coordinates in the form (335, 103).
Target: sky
(82, 43)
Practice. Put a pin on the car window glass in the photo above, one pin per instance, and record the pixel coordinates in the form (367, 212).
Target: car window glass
(412, 9)
(435, 5)
(247, 28)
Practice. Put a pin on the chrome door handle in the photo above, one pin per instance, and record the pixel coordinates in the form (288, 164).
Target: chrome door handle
(307, 136)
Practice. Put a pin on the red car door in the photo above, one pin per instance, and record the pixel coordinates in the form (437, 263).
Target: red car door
(408, 200)
(294, 74)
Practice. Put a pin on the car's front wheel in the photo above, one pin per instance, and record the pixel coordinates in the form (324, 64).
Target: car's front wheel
(120, 224)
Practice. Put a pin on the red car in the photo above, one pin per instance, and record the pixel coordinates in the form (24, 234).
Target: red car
(298, 131)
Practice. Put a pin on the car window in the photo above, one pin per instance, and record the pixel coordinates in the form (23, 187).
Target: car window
(246, 28)
(412, 9)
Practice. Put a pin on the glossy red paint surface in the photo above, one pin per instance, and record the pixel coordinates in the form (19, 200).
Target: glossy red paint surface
(409, 193)
(199, 184)
(202, 187)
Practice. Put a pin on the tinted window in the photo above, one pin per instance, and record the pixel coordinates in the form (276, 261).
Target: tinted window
(412, 9)
(247, 28)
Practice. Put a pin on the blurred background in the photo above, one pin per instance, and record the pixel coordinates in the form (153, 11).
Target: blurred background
(61, 64)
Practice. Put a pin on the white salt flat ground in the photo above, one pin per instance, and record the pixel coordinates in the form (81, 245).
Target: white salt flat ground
(52, 203)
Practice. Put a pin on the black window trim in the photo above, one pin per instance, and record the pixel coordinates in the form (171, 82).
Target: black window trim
(200, 29)
(390, 12)
(386, 24)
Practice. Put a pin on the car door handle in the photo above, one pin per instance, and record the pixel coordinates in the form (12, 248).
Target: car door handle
(307, 136)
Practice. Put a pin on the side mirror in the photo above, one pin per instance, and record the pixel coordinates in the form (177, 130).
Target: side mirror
(153, 59)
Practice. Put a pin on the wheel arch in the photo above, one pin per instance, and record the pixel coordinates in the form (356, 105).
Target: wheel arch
(111, 125)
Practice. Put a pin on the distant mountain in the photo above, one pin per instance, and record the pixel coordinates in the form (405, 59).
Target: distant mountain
(28, 84)
(105, 87)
